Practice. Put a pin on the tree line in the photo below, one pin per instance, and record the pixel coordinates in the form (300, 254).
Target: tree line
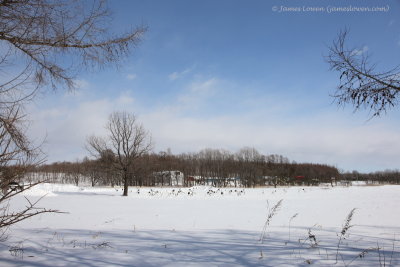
(379, 177)
(216, 167)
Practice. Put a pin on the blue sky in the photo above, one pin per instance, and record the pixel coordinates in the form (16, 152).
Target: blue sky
(228, 74)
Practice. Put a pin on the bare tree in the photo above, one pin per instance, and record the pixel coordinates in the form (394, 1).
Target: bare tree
(127, 140)
(45, 44)
(360, 84)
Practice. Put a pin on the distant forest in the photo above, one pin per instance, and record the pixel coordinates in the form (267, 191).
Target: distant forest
(216, 167)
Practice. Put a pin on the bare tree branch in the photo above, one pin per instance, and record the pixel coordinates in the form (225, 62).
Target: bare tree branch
(360, 84)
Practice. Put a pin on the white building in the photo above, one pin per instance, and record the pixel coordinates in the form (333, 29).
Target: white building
(173, 178)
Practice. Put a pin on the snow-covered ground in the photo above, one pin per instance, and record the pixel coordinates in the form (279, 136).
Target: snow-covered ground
(204, 226)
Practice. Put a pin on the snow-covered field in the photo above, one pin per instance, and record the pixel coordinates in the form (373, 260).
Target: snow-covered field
(203, 227)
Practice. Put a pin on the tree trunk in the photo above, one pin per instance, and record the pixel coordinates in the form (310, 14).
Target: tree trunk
(125, 184)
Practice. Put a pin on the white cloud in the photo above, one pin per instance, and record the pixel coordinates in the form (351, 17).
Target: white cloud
(318, 141)
(206, 86)
(125, 99)
(68, 124)
(359, 52)
(131, 76)
(177, 75)
(173, 76)
(196, 93)
(81, 84)
(326, 137)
